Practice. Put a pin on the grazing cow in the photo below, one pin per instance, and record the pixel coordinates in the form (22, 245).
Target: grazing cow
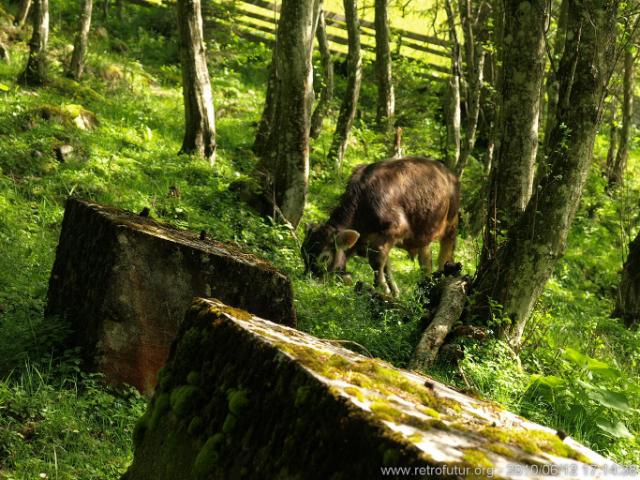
(404, 203)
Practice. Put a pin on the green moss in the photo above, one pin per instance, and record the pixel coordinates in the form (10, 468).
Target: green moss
(140, 429)
(207, 458)
(159, 407)
(193, 378)
(476, 458)
(184, 399)
(236, 313)
(302, 395)
(238, 401)
(229, 423)
(429, 412)
(355, 392)
(390, 457)
(501, 449)
(164, 377)
(196, 426)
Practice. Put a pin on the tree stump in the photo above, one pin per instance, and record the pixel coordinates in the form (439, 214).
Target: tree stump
(242, 397)
(124, 281)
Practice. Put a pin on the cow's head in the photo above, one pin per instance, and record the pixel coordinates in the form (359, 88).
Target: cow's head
(323, 249)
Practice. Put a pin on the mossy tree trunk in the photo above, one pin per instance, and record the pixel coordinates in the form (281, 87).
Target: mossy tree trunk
(23, 13)
(618, 166)
(326, 92)
(628, 298)
(452, 98)
(284, 153)
(35, 72)
(515, 276)
(76, 66)
(386, 96)
(200, 133)
(523, 59)
(614, 135)
(354, 80)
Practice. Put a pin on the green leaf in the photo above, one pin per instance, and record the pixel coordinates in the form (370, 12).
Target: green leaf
(616, 430)
(576, 357)
(610, 399)
(4, 88)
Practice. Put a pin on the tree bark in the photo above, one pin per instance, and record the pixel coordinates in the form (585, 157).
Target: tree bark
(23, 13)
(449, 310)
(386, 96)
(476, 34)
(354, 80)
(284, 163)
(522, 55)
(326, 93)
(200, 134)
(628, 298)
(516, 275)
(616, 173)
(76, 66)
(35, 72)
(613, 138)
(552, 81)
(452, 107)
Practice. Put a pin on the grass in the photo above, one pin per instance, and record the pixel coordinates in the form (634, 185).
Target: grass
(57, 421)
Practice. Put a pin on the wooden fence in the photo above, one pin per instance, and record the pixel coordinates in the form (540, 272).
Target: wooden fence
(256, 20)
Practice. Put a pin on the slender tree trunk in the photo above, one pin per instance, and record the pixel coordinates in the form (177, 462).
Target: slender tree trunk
(105, 10)
(613, 138)
(552, 80)
(200, 133)
(261, 142)
(284, 163)
(386, 96)
(516, 275)
(616, 173)
(475, 35)
(628, 297)
(80, 45)
(452, 108)
(23, 13)
(36, 71)
(326, 93)
(354, 80)
(522, 55)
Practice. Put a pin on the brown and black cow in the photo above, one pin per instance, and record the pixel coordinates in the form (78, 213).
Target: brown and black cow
(406, 203)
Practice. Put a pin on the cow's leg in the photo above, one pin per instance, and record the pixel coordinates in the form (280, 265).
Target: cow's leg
(390, 281)
(447, 246)
(378, 259)
(425, 259)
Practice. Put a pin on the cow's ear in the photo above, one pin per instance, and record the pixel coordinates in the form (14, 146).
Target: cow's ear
(346, 239)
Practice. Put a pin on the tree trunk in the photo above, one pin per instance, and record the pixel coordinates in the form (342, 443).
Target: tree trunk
(475, 35)
(516, 275)
(284, 162)
(105, 10)
(522, 54)
(386, 96)
(628, 298)
(616, 173)
(23, 13)
(326, 93)
(552, 80)
(200, 134)
(36, 71)
(261, 142)
(613, 138)
(80, 45)
(354, 80)
(449, 309)
(452, 107)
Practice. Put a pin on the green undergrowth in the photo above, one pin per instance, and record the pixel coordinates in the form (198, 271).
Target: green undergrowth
(130, 160)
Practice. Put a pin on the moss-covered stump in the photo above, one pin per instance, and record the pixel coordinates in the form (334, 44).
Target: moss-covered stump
(124, 282)
(242, 397)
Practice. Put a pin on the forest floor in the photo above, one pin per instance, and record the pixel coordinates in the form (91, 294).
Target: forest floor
(579, 369)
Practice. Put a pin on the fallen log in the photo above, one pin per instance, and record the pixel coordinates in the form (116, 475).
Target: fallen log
(452, 300)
